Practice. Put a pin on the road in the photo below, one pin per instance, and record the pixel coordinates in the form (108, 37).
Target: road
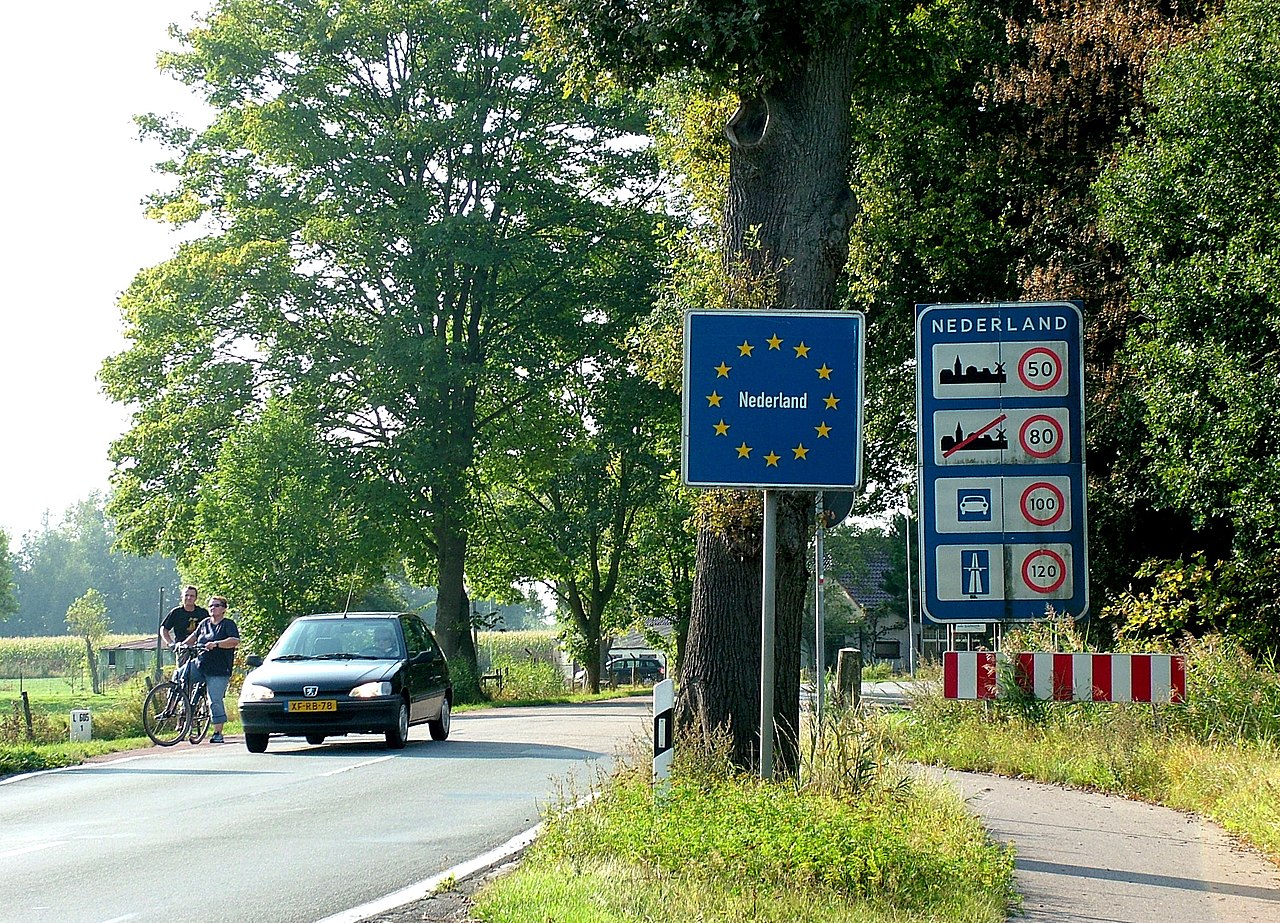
(214, 833)
(1083, 857)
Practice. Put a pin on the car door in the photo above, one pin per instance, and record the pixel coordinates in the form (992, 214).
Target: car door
(424, 669)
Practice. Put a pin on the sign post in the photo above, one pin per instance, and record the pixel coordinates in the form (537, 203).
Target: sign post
(1000, 412)
(772, 400)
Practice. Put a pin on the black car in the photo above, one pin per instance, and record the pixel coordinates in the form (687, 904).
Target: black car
(345, 673)
(630, 669)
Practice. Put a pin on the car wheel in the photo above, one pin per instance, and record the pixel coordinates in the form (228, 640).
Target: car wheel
(315, 738)
(256, 743)
(440, 726)
(398, 736)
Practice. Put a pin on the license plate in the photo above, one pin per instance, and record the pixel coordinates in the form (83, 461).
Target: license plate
(313, 705)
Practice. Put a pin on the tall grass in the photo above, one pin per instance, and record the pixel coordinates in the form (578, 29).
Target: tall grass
(719, 845)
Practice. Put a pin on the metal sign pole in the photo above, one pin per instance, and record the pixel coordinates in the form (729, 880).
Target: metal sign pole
(819, 626)
(768, 620)
(911, 634)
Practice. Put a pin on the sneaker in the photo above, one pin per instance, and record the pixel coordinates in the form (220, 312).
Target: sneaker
(216, 739)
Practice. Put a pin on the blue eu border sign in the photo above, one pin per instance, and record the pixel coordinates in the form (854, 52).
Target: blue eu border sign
(1000, 423)
(773, 399)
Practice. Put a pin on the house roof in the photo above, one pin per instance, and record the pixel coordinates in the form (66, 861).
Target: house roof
(867, 588)
(142, 644)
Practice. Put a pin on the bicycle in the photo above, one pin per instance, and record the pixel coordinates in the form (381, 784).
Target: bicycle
(176, 708)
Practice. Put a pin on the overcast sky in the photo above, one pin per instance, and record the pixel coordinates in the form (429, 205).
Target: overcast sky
(73, 233)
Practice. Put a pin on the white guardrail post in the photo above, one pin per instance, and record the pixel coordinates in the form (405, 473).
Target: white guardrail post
(664, 699)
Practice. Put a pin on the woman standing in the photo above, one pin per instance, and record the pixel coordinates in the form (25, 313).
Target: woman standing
(217, 639)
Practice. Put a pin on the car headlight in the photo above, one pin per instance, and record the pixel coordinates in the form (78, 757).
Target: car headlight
(371, 690)
(252, 692)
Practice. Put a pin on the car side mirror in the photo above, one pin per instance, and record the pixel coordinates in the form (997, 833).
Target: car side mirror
(253, 660)
(424, 657)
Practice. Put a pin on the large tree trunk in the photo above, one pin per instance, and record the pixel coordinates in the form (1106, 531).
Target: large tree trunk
(453, 611)
(787, 227)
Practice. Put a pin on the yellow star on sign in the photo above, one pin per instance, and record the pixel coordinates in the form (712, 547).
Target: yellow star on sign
(824, 372)
(802, 351)
(713, 399)
(774, 342)
(771, 460)
(744, 451)
(745, 349)
(722, 370)
(823, 430)
(831, 400)
(800, 452)
(722, 428)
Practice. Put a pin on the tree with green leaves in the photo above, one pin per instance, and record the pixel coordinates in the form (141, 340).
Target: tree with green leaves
(792, 69)
(1192, 200)
(278, 528)
(397, 222)
(57, 561)
(8, 599)
(87, 618)
(566, 505)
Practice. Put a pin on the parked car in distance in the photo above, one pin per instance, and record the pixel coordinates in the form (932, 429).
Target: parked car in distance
(343, 673)
(630, 669)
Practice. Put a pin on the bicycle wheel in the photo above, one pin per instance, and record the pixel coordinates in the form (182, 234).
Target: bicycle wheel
(165, 714)
(199, 716)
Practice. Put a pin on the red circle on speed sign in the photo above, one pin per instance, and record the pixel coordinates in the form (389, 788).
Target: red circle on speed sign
(1054, 506)
(1053, 569)
(1054, 444)
(1048, 370)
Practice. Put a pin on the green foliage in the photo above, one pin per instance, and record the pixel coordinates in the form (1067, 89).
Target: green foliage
(8, 601)
(403, 227)
(568, 506)
(1191, 201)
(743, 45)
(56, 563)
(1199, 598)
(87, 617)
(278, 533)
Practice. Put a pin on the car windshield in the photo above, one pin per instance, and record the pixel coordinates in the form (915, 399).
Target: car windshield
(339, 639)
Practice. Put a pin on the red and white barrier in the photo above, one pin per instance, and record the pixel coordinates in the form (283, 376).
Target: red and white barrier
(1159, 678)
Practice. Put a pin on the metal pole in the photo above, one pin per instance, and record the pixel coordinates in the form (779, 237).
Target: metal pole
(819, 626)
(768, 619)
(911, 635)
(159, 638)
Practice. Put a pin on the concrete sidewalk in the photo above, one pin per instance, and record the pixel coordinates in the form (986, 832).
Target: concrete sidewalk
(1089, 858)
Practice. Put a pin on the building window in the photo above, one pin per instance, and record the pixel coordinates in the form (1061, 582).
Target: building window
(888, 650)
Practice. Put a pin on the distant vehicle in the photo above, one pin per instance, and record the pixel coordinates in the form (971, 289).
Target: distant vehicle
(346, 673)
(974, 503)
(630, 669)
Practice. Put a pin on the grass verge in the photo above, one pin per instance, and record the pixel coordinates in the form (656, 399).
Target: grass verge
(721, 846)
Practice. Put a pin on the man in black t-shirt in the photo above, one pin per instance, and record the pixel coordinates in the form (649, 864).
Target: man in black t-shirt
(183, 620)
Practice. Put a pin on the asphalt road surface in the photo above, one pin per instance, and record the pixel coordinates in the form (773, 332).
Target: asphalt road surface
(214, 833)
(1089, 858)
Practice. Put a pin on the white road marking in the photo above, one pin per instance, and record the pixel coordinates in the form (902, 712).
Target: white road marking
(34, 847)
(422, 889)
(380, 759)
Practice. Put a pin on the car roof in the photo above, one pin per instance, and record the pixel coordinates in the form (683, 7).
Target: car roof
(350, 615)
